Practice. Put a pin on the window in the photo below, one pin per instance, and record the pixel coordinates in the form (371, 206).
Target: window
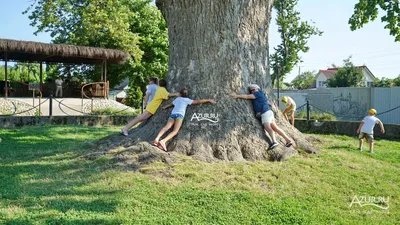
(321, 84)
(370, 84)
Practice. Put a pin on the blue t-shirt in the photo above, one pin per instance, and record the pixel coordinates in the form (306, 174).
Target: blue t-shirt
(260, 104)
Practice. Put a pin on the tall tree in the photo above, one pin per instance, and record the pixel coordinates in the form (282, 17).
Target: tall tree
(347, 76)
(217, 48)
(151, 26)
(294, 37)
(368, 10)
(304, 80)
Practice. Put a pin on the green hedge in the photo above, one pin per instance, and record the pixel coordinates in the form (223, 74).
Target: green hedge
(114, 112)
(315, 116)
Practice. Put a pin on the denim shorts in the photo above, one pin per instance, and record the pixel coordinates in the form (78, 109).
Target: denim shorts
(176, 116)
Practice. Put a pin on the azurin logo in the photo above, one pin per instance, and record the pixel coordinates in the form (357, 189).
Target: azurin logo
(212, 117)
(380, 202)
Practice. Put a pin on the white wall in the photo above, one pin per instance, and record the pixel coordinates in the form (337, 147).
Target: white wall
(368, 77)
(320, 77)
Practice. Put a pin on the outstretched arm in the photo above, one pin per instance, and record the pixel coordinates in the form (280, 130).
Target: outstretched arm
(174, 94)
(197, 102)
(382, 128)
(168, 106)
(359, 127)
(250, 96)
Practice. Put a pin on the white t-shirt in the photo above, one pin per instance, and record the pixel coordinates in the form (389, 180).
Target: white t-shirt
(151, 89)
(180, 105)
(59, 82)
(369, 124)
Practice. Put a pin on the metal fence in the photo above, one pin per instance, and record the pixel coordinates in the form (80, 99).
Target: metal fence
(351, 104)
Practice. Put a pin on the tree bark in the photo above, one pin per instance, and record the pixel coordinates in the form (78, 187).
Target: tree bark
(217, 48)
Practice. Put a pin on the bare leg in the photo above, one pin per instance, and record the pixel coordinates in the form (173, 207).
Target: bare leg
(285, 115)
(174, 132)
(360, 144)
(145, 115)
(168, 126)
(267, 127)
(371, 146)
(279, 131)
(292, 117)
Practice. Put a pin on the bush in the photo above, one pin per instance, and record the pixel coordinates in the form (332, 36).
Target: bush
(315, 116)
(114, 112)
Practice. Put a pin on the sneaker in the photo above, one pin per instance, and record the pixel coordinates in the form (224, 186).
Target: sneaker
(273, 145)
(288, 144)
(359, 149)
(371, 152)
(124, 133)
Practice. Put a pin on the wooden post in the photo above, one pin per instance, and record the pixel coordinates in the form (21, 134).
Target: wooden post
(105, 70)
(5, 76)
(41, 76)
(105, 80)
(102, 71)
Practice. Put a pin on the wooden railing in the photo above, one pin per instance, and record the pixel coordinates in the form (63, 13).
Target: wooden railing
(96, 90)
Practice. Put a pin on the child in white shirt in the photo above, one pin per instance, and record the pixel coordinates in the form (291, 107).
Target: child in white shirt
(366, 129)
(176, 118)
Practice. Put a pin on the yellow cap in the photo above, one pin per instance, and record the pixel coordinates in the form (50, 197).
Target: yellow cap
(284, 99)
(372, 111)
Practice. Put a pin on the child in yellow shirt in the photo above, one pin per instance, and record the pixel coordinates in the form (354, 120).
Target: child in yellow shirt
(160, 95)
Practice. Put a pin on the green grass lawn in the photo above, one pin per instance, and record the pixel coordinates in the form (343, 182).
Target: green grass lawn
(44, 181)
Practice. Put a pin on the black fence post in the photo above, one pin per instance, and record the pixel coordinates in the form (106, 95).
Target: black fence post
(51, 105)
(308, 110)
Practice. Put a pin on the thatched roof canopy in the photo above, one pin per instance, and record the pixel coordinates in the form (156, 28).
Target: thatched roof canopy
(29, 51)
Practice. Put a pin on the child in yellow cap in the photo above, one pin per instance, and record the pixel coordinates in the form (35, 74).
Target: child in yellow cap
(366, 129)
(290, 108)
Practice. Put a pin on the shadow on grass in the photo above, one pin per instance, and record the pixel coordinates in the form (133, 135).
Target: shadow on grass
(46, 174)
(65, 222)
(341, 147)
(36, 142)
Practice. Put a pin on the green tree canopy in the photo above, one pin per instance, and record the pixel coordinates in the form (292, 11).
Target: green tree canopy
(22, 72)
(152, 28)
(347, 76)
(134, 26)
(97, 23)
(383, 82)
(294, 36)
(304, 80)
(368, 10)
(396, 81)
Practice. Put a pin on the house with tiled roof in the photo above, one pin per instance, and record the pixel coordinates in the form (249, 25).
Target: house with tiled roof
(324, 75)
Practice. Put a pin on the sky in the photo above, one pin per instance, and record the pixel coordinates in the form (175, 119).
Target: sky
(371, 46)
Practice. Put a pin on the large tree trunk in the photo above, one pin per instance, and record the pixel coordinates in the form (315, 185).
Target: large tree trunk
(218, 48)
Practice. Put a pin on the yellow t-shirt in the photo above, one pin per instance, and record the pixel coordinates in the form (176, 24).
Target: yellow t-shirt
(159, 96)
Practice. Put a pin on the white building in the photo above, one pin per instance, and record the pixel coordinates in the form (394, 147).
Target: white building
(324, 75)
(120, 91)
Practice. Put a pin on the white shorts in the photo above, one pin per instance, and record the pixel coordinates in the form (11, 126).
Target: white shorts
(267, 117)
